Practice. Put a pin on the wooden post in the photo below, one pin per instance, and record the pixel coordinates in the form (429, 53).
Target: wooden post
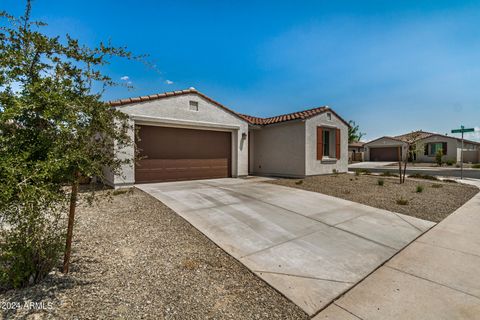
(71, 220)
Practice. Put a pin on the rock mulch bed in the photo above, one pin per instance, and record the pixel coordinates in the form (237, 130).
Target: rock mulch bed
(436, 201)
(134, 258)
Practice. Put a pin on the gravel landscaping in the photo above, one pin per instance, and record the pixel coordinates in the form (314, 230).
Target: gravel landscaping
(435, 201)
(134, 258)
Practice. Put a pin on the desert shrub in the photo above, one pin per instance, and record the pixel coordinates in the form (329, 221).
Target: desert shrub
(121, 191)
(450, 162)
(335, 172)
(402, 202)
(299, 182)
(32, 236)
(419, 189)
(476, 166)
(362, 171)
(437, 185)
(380, 182)
(439, 157)
(388, 174)
(422, 176)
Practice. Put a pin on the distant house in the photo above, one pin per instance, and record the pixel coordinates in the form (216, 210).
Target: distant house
(427, 144)
(185, 135)
(355, 151)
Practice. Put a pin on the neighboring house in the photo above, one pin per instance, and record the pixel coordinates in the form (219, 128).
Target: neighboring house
(185, 135)
(355, 151)
(426, 145)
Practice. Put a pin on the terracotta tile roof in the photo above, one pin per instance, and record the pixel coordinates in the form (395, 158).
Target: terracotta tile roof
(414, 136)
(302, 115)
(299, 115)
(122, 102)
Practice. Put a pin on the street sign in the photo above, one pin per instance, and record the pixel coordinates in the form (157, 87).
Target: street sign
(462, 130)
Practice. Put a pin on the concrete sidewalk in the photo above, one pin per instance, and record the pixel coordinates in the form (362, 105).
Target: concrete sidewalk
(309, 246)
(435, 277)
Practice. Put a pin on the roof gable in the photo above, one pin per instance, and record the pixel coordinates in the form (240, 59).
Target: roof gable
(300, 115)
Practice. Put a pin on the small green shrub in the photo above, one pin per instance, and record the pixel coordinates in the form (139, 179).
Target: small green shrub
(381, 182)
(389, 174)
(402, 202)
(299, 182)
(439, 156)
(335, 172)
(437, 185)
(450, 162)
(357, 172)
(121, 191)
(364, 171)
(419, 189)
(422, 176)
(476, 166)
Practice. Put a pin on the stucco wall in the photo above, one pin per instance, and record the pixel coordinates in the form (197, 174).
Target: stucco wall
(451, 149)
(175, 112)
(278, 149)
(384, 142)
(314, 166)
(470, 156)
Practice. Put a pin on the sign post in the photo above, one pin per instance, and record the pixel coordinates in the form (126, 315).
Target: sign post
(462, 130)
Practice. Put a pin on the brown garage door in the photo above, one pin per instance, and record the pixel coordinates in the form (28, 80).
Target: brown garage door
(384, 154)
(170, 154)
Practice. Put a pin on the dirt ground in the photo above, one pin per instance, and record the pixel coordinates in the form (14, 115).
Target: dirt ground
(434, 203)
(134, 258)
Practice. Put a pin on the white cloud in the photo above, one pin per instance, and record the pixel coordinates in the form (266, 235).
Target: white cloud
(473, 135)
(168, 81)
(125, 78)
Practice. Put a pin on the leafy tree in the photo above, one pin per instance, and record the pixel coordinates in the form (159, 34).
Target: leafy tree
(54, 130)
(354, 133)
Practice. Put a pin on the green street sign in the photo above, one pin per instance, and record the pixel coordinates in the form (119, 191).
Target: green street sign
(463, 130)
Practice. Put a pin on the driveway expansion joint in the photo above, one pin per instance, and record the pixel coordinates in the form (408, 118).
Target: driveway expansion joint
(308, 217)
(429, 280)
(302, 276)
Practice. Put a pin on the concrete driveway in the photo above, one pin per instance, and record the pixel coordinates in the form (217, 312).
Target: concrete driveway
(309, 246)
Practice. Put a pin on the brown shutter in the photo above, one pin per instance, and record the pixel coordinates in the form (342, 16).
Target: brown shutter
(444, 148)
(337, 143)
(319, 143)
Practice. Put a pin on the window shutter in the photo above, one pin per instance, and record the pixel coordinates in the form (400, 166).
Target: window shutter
(444, 148)
(319, 143)
(337, 143)
(426, 150)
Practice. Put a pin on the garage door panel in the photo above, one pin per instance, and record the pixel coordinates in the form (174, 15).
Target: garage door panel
(171, 154)
(384, 154)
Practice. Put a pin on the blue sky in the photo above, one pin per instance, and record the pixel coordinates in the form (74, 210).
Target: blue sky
(392, 66)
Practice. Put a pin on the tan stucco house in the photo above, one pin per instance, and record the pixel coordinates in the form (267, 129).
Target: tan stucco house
(185, 135)
(426, 145)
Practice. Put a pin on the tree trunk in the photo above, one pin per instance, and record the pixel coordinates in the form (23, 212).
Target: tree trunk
(405, 168)
(71, 220)
(399, 164)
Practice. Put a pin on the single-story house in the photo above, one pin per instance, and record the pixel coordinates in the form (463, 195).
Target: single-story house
(185, 135)
(426, 145)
